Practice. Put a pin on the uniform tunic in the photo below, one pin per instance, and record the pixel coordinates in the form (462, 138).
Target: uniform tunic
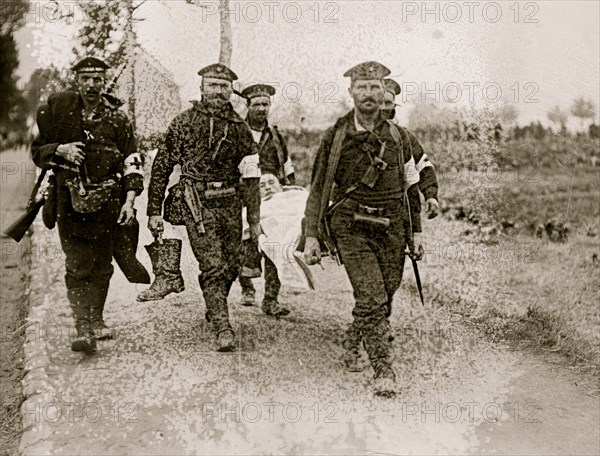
(373, 258)
(110, 153)
(274, 155)
(212, 148)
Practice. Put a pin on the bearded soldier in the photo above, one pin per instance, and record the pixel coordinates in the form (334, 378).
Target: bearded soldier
(219, 172)
(275, 161)
(89, 145)
(364, 166)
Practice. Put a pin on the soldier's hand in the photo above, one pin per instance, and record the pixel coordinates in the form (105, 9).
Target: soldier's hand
(156, 226)
(255, 231)
(126, 215)
(433, 208)
(312, 251)
(418, 250)
(71, 152)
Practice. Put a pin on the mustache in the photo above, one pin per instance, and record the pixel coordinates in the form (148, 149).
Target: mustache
(371, 99)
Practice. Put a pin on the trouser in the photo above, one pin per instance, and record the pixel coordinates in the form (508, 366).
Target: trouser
(217, 251)
(272, 283)
(374, 262)
(88, 272)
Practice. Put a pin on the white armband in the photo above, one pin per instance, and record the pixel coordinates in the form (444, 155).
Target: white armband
(424, 162)
(250, 167)
(411, 173)
(288, 167)
(133, 165)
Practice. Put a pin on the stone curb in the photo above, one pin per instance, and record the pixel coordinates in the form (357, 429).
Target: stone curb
(37, 389)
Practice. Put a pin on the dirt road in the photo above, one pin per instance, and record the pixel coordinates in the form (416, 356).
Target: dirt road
(160, 388)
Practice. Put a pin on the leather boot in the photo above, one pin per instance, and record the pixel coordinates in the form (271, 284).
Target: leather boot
(352, 356)
(101, 330)
(166, 260)
(79, 299)
(248, 291)
(225, 341)
(274, 309)
(378, 348)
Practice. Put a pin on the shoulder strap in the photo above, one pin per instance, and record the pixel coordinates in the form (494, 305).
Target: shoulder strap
(334, 158)
(396, 132)
(279, 148)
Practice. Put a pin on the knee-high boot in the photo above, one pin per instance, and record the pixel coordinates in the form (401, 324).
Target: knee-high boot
(80, 301)
(98, 297)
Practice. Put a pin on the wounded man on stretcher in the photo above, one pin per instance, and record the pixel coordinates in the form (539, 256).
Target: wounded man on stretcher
(281, 213)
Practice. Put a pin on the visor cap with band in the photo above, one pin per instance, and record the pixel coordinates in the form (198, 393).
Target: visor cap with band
(90, 65)
(367, 71)
(258, 90)
(218, 71)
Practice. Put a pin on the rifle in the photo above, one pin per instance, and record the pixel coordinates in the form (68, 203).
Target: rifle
(18, 229)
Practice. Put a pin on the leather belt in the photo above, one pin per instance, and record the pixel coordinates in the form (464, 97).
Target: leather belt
(392, 208)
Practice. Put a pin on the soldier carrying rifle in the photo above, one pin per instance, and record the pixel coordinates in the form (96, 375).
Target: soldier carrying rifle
(90, 147)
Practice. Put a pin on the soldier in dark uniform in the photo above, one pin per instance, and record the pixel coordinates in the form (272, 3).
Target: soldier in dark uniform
(92, 152)
(274, 160)
(220, 172)
(427, 177)
(364, 165)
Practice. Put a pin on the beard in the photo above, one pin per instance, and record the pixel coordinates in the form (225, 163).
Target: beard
(216, 101)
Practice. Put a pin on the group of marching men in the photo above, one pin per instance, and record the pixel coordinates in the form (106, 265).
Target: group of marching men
(363, 206)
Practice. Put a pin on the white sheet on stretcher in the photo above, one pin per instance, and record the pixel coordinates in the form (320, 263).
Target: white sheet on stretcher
(281, 221)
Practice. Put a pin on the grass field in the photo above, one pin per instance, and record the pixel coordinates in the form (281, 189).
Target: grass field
(512, 284)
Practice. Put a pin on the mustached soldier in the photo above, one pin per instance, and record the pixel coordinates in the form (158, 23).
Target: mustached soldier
(89, 145)
(364, 165)
(219, 171)
(275, 161)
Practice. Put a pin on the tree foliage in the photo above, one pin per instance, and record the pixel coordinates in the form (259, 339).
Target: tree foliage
(583, 108)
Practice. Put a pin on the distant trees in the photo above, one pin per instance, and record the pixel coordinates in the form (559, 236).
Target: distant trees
(12, 108)
(559, 117)
(583, 108)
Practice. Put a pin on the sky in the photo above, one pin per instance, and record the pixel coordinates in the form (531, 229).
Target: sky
(534, 55)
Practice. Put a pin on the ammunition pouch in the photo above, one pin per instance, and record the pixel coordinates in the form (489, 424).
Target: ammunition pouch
(49, 209)
(175, 206)
(370, 221)
(87, 198)
(216, 190)
(362, 223)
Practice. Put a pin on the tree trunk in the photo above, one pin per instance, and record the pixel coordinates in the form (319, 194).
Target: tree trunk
(130, 44)
(226, 39)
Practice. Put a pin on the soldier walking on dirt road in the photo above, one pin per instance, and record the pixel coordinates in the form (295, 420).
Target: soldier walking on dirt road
(364, 165)
(219, 172)
(89, 145)
(275, 161)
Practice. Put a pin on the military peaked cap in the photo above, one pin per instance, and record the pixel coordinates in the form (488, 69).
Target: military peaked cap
(392, 86)
(90, 65)
(368, 70)
(258, 90)
(218, 71)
